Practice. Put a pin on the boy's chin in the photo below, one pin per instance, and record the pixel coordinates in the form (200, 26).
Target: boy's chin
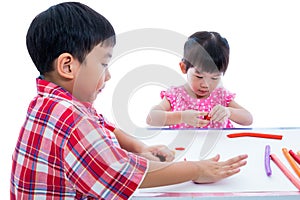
(100, 90)
(91, 99)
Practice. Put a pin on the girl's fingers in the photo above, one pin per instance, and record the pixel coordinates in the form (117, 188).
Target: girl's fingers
(202, 113)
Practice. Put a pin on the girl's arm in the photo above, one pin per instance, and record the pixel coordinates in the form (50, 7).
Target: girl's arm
(161, 115)
(239, 114)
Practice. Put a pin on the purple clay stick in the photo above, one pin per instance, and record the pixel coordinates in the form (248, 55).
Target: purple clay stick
(267, 161)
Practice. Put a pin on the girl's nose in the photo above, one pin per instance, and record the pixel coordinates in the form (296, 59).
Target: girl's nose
(204, 83)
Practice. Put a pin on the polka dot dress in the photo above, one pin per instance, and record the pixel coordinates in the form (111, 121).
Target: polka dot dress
(180, 100)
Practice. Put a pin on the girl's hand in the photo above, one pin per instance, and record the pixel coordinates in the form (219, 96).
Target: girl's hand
(158, 153)
(212, 170)
(220, 113)
(192, 117)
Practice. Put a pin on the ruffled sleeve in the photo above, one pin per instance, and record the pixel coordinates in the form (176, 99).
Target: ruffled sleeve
(229, 96)
(223, 96)
(176, 97)
(169, 94)
(162, 94)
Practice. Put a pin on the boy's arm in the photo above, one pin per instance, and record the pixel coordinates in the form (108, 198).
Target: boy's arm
(128, 142)
(204, 171)
(131, 144)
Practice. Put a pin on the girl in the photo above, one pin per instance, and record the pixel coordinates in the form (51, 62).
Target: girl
(202, 101)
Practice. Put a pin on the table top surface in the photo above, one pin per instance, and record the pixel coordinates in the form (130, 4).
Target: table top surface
(251, 182)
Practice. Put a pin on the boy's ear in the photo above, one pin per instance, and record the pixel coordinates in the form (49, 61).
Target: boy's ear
(66, 66)
(182, 67)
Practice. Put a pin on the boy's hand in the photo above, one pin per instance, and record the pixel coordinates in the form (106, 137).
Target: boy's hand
(212, 170)
(219, 113)
(192, 117)
(158, 153)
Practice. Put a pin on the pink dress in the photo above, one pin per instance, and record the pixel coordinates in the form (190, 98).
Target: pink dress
(180, 100)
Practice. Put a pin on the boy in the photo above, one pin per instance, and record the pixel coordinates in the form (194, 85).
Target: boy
(65, 149)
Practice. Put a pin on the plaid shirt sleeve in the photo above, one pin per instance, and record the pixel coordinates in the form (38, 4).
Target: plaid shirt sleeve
(98, 167)
(63, 152)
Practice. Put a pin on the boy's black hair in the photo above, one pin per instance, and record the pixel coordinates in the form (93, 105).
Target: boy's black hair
(208, 51)
(69, 27)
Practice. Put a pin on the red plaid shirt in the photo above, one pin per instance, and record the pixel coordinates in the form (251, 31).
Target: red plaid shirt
(65, 150)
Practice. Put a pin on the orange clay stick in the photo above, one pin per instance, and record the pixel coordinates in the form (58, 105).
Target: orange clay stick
(291, 161)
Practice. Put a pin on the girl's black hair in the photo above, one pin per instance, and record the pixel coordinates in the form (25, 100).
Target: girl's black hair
(208, 51)
(69, 27)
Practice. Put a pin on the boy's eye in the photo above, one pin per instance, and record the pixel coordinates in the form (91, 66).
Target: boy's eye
(215, 78)
(104, 65)
(199, 77)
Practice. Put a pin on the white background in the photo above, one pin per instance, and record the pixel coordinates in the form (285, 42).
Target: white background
(263, 69)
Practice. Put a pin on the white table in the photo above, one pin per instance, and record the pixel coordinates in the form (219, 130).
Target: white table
(251, 183)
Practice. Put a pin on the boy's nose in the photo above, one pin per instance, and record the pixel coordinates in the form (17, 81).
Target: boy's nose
(107, 75)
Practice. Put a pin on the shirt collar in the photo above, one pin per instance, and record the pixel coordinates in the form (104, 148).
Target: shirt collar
(49, 89)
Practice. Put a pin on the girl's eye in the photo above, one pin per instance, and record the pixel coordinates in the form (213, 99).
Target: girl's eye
(215, 78)
(104, 65)
(199, 77)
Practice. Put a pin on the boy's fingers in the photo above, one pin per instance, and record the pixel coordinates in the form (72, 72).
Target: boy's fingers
(150, 156)
(235, 165)
(228, 173)
(166, 156)
(170, 157)
(235, 159)
(216, 158)
(166, 153)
